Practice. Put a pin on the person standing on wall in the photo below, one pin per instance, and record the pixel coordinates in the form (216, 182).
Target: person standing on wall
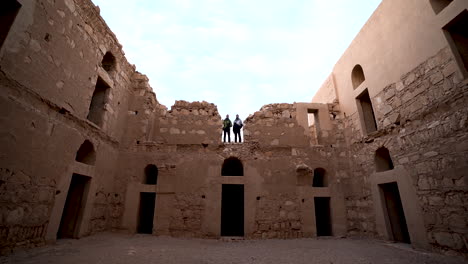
(227, 128)
(237, 127)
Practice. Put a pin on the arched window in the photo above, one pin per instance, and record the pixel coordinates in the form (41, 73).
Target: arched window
(383, 161)
(439, 5)
(357, 76)
(108, 62)
(320, 178)
(232, 167)
(86, 153)
(151, 175)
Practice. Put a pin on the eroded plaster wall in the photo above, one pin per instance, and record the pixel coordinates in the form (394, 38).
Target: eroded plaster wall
(50, 63)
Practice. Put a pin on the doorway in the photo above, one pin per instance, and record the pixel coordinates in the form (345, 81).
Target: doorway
(323, 216)
(232, 210)
(74, 207)
(146, 213)
(394, 212)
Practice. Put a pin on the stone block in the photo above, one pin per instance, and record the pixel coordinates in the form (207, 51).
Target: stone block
(174, 131)
(296, 225)
(389, 94)
(410, 79)
(15, 216)
(423, 184)
(435, 200)
(449, 240)
(400, 86)
(450, 68)
(386, 109)
(436, 77)
(430, 154)
(457, 222)
(406, 97)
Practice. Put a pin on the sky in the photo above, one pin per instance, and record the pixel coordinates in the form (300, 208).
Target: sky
(237, 54)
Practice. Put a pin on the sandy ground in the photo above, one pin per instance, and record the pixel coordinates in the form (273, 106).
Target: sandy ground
(119, 248)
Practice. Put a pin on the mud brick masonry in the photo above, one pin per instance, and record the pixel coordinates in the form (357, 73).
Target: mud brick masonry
(381, 150)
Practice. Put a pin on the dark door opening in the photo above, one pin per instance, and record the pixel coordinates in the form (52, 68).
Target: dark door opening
(146, 213)
(8, 11)
(74, 206)
(394, 211)
(232, 210)
(323, 216)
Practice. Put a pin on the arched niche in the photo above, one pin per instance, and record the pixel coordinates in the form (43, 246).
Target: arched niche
(151, 175)
(320, 178)
(86, 153)
(357, 76)
(232, 167)
(383, 161)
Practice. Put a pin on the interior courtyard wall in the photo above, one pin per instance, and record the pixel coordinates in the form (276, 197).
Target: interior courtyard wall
(50, 63)
(417, 92)
(188, 192)
(397, 33)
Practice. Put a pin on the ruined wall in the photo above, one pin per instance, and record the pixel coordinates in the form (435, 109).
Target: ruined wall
(188, 193)
(275, 125)
(50, 63)
(191, 123)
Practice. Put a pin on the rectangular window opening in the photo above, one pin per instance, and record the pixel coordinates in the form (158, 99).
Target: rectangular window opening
(456, 32)
(366, 112)
(314, 125)
(98, 101)
(8, 11)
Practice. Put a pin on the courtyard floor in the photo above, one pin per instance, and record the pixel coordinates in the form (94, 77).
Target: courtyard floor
(120, 248)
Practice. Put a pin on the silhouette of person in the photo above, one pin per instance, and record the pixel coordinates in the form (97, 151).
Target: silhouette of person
(237, 127)
(227, 128)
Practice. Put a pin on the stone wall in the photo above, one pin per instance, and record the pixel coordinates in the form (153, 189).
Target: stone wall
(275, 125)
(49, 66)
(191, 123)
(422, 120)
(278, 216)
